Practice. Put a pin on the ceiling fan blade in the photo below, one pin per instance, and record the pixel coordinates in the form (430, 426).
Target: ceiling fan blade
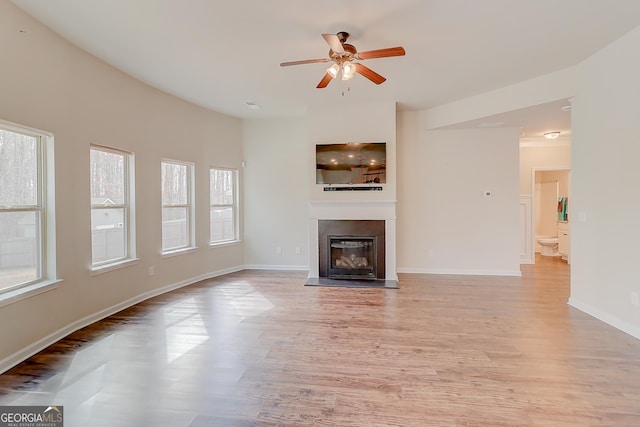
(369, 73)
(325, 81)
(381, 53)
(334, 42)
(305, 61)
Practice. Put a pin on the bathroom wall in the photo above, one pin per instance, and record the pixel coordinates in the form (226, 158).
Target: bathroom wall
(559, 176)
(549, 186)
(546, 219)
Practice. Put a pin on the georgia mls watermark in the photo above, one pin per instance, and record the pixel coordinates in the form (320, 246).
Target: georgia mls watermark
(31, 416)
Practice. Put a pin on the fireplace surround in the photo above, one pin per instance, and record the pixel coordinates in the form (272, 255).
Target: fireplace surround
(383, 211)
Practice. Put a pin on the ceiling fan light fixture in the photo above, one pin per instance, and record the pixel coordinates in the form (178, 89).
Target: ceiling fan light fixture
(348, 70)
(552, 135)
(333, 70)
(347, 76)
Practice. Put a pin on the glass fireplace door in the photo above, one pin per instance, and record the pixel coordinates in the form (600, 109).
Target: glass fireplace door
(352, 257)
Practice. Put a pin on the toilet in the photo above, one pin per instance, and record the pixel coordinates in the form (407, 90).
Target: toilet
(549, 246)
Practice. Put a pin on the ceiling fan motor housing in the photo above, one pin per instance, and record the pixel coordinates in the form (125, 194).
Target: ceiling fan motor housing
(342, 36)
(347, 55)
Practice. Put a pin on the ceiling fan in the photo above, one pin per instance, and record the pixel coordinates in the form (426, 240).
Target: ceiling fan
(344, 57)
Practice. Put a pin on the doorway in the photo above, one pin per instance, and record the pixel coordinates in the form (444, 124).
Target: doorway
(550, 206)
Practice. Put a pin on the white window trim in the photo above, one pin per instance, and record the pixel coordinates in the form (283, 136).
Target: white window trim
(190, 206)
(105, 268)
(177, 252)
(28, 291)
(129, 214)
(235, 206)
(222, 243)
(47, 268)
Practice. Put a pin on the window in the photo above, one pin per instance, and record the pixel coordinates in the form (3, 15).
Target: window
(223, 214)
(177, 206)
(25, 242)
(112, 225)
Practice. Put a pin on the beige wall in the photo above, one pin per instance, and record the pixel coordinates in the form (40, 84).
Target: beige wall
(441, 176)
(50, 85)
(276, 193)
(605, 204)
(445, 223)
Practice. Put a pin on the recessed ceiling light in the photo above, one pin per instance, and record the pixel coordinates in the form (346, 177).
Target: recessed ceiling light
(252, 105)
(552, 135)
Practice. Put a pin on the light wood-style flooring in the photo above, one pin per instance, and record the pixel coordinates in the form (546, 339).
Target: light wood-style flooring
(258, 348)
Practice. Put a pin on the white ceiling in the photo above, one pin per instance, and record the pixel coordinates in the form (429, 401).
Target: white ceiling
(221, 54)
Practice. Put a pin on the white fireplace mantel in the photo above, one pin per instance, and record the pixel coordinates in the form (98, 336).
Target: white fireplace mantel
(354, 210)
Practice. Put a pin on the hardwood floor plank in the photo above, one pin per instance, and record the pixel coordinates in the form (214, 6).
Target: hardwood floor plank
(258, 348)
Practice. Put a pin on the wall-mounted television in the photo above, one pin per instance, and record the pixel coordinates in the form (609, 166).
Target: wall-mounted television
(351, 163)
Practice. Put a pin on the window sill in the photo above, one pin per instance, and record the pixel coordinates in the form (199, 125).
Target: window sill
(115, 266)
(28, 291)
(181, 251)
(225, 243)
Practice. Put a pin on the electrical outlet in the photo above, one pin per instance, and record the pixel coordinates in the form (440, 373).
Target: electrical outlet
(298, 250)
(635, 299)
(152, 270)
(278, 250)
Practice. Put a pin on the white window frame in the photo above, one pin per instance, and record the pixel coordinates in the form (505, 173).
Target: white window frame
(128, 206)
(234, 206)
(189, 206)
(44, 206)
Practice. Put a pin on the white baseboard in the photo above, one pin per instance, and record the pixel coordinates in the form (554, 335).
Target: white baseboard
(617, 323)
(23, 354)
(277, 267)
(464, 272)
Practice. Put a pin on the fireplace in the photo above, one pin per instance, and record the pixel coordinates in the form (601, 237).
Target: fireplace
(352, 257)
(351, 249)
